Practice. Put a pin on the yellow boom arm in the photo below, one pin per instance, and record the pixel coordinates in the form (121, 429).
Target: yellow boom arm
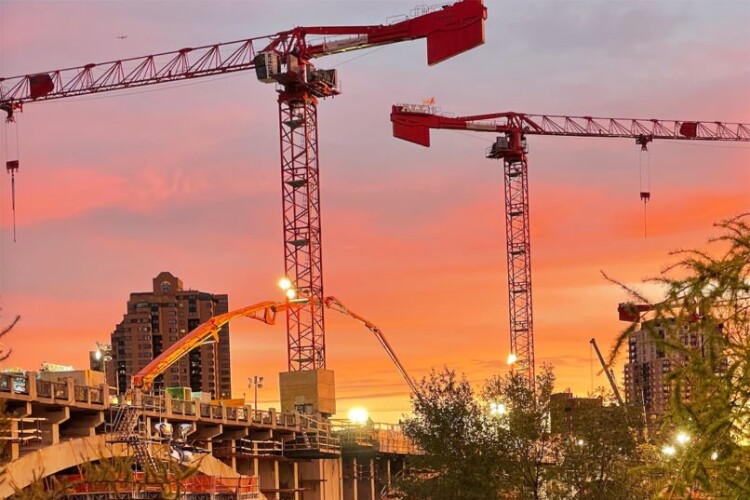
(262, 311)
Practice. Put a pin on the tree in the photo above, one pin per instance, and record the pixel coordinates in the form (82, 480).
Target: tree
(519, 430)
(706, 297)
(481, 446)
(598, 458)
(448, 425)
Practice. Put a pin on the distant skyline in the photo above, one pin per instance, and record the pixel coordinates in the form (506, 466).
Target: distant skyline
(112, 189)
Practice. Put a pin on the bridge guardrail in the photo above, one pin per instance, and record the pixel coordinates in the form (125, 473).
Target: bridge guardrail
(14, 383)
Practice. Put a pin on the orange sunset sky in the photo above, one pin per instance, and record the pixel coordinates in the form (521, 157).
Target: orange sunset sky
(115, 188)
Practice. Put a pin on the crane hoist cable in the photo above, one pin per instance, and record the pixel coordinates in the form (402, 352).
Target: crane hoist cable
(12, 153)
(644, 176)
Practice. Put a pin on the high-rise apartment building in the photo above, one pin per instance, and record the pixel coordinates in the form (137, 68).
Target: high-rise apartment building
(155, 320)
(646, 382)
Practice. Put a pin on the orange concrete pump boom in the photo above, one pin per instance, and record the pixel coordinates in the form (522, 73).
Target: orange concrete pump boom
(262, 311)
(334, 303)
(208, 331)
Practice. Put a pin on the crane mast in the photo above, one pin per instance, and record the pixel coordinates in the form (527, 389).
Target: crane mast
(413, 122)
(283, 59)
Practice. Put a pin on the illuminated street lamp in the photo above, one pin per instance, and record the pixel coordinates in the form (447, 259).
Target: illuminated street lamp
(668, 450)
(358, 416)
(498, 409)
(682, 438)
(103, 353)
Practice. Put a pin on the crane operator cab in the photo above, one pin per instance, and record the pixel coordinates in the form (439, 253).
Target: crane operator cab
(273, 67)
(511, 147)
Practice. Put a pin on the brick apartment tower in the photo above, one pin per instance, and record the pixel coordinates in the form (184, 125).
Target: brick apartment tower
(155, 320)
(645, 373)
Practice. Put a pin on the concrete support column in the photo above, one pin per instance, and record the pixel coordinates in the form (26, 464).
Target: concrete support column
(355, 479)
(276, 482)
(230, 438)
(206, 432)
(295, 480)
(256, 460)
(322, 479)
(50, 426)
(341, 476)
(388, 472)
(16, 410)
(372, 479)
(31, 385)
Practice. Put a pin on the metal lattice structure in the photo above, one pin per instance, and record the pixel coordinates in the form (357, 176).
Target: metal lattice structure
(518, 254)
(298, 118)
(412, 122)
(285, 60)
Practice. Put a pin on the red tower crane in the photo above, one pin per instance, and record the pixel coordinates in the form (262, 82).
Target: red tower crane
(285, 60)
(413, 123)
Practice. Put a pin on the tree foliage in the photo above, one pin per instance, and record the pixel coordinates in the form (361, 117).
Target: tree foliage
(497, 444)
(707, 295)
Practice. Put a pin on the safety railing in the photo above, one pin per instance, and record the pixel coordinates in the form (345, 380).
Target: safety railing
(43, 388)
(183, 407)
(14, 383)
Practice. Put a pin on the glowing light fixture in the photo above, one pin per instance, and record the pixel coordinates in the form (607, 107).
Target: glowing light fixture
(512, 358)
(498, 409)
(682, 438)
(285, 284)
(358, 415)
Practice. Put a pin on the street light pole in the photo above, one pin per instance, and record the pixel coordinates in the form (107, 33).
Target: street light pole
(256, 383)
(104, 352)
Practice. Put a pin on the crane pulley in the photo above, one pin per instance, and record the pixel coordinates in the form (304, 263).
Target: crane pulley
(412, 122)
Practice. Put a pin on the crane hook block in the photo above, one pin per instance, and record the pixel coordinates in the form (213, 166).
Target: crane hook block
(645, 196)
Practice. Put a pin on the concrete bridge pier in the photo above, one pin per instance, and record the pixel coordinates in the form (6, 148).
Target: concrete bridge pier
(81, 425)
(16, 409)
(268, 477)
(205, 432)
(50, 426)
(230, 437)
(321, 479)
